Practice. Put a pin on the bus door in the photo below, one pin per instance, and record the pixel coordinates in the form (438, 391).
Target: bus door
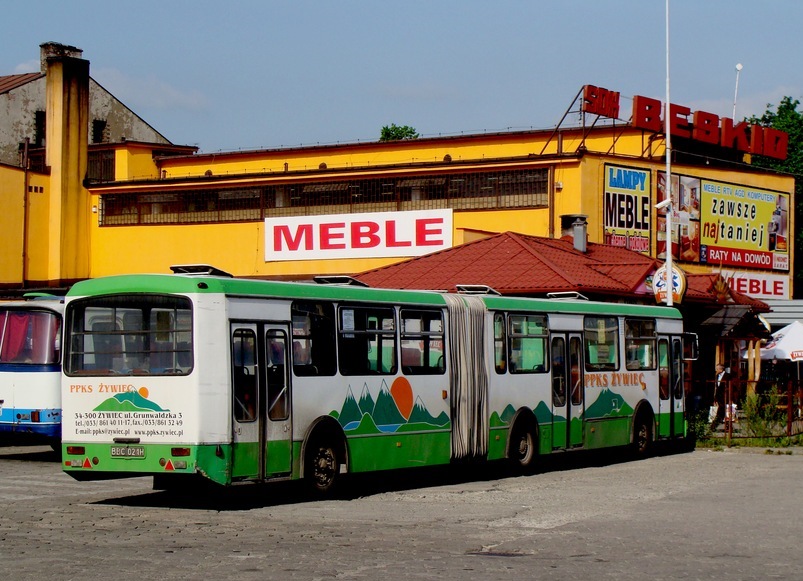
(261, 434)
(568, 391)
(278, 432)
(670, 387)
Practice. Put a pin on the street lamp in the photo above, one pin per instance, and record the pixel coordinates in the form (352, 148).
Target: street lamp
(668, 184)
(736, 92)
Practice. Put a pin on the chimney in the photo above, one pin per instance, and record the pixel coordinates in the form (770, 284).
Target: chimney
(576, 226)
(54, 49)
(66, 155)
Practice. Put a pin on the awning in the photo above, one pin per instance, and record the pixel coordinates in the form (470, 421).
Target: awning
(737, 322)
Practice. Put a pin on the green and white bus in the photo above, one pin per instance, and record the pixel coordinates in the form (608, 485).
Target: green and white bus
(238, 380)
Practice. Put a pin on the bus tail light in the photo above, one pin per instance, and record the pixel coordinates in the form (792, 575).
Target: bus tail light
(179, 452)
(35, 415)
(76, 450)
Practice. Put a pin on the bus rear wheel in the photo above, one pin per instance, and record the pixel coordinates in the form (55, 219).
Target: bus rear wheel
(642, 435)
(522, 449)
(322, 467)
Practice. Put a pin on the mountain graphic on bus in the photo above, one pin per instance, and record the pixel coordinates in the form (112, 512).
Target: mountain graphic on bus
(130, 401)
(393, 411)
(542, 414)
(609, 404)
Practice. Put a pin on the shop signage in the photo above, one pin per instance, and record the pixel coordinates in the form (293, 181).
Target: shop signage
(725, 224)
(677, 286)
(627, 208)
(368, 235)
(700, 126)
(758, 285)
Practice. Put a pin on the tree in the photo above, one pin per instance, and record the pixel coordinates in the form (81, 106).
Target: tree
(788, 119)
(395, 132)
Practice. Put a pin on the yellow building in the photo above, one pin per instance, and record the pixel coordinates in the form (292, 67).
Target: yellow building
(342, 209)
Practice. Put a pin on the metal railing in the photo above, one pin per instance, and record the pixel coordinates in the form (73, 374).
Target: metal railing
(758, 409)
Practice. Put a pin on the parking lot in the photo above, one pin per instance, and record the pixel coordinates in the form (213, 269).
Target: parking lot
(731, 514)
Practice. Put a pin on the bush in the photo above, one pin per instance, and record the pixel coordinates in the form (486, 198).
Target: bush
(762, 418)
(699, 425)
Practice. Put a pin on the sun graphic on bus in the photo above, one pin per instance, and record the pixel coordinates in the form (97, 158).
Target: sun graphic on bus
(402, 394)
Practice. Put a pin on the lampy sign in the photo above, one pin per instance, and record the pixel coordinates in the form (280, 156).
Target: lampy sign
(698, 125)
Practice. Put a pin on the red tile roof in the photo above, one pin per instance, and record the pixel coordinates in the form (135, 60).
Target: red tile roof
(517, 264)
(9, 82)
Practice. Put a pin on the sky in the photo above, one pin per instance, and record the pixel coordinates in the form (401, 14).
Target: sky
(251, 74)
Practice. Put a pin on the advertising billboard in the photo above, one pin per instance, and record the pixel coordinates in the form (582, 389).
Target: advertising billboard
(725, 224)
(627, 214)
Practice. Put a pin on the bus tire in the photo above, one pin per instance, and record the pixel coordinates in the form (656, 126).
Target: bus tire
(322, 461)
(523, 446)
(642, 435)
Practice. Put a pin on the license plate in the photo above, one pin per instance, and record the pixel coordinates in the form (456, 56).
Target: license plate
(128, 452)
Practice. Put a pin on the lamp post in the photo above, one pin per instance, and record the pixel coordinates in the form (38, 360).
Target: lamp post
(736, 91)
(667, 203)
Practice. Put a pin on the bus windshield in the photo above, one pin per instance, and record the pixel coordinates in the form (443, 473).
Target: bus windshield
(29, 336)
(136, 334)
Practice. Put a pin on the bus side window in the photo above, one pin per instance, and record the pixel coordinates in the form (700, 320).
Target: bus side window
(244, 378)
(528, 343)
(421, 336)
(367, 340)
(559, 371)
(601, 343)
(313, 339)
(278, 394)
(500, 349)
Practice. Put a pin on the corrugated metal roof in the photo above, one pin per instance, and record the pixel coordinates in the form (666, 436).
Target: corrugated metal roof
(784, 312)
(10, 82)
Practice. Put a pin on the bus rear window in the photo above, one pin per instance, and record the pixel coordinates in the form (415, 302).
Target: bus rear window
(29, 336)
(129, 335)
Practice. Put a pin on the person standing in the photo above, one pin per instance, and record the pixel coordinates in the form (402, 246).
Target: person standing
(720, 387)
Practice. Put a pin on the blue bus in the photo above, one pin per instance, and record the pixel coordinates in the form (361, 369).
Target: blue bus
(30, 366)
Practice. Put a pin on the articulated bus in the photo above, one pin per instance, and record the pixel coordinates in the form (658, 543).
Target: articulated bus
(30, 367)
(238, 380)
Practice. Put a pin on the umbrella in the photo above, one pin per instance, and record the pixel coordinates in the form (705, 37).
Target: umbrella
(786, 343)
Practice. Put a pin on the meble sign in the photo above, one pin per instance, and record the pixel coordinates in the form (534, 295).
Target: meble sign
(368, 235)
(698, 125)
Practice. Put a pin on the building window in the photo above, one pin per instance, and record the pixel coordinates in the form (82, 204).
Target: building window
(460, 191)
(99, 131)
(100, 166)
(39, 128)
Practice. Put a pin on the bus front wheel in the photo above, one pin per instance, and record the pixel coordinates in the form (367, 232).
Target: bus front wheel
(322, 467)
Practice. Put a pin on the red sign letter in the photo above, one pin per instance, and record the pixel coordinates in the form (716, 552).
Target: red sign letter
(390, 231)
(328, 236)
(647, 114)
(734, 136)
(283, 233)
(776, 143)
(363, 235)
(679, 121)
(706, 127)
(423, 232)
